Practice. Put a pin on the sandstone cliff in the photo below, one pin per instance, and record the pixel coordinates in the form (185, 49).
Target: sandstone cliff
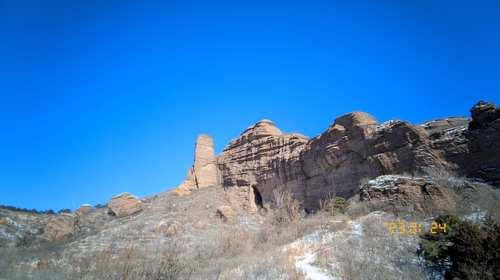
(354, 148)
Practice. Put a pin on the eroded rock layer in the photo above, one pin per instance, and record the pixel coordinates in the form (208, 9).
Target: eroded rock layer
(353, 149)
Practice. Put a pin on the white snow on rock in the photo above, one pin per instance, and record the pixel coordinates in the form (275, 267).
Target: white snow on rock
(383, 182)
(386, 125)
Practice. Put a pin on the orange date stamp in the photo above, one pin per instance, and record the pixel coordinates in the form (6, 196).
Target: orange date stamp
(413, 227)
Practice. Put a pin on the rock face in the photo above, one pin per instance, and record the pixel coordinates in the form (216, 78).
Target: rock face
(263, 159)
(125, 204)
(62, 226)
(353, 149)
(417, 196)
(257, 161)
(483, 114)
(205, 165)
(475, 151)
(85, 208)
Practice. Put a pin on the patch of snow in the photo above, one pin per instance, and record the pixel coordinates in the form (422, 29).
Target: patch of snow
(385, 125)
(68, 214)
(13, 222)
(311, 272)
(477, 216)
(383, 182)
(358, 231)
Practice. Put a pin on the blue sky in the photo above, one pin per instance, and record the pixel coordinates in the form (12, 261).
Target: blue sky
(103, 97)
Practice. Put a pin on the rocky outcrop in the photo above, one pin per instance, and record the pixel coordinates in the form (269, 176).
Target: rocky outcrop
(204, 173)
(353, 149)
(263, 159)
(475, 151)
(85, 208)
(483, 114)
(226, 213)
(400, 194)
(125, 204)
(62, 226)
(260, 159)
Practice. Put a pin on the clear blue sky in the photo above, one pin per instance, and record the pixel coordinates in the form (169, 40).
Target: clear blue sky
(103, 97)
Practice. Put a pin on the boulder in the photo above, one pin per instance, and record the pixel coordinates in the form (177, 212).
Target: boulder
(174, 229)
(85, 208)
(201, 225)
(125, 204)
(62, 226)
(226, 213)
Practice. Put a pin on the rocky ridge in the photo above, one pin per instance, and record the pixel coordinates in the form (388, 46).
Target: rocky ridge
(354, 148)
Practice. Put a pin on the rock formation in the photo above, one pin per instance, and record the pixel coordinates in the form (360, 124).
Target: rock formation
(205, 165)
(476, 151)
(204, 172)
(355, 147)
(399, 194)
(260, 156)
(263, 159)
(125, 204)
(62, 226)
(85, 208)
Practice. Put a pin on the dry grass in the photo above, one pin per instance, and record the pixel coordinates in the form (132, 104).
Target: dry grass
(376, 254)
(241, 250)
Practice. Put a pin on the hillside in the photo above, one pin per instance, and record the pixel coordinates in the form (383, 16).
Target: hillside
(264, 208)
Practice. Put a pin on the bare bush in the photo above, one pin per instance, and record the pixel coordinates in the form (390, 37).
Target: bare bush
(447, 179)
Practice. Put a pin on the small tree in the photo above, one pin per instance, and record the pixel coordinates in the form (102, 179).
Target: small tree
(434, 248)
(465, 250)
(337, 205)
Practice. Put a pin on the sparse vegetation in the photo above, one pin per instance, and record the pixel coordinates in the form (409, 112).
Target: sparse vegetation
(447, 179)
(99, 206)
(17, 209)
(464, 250)
(258, 246)
(337, 205)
